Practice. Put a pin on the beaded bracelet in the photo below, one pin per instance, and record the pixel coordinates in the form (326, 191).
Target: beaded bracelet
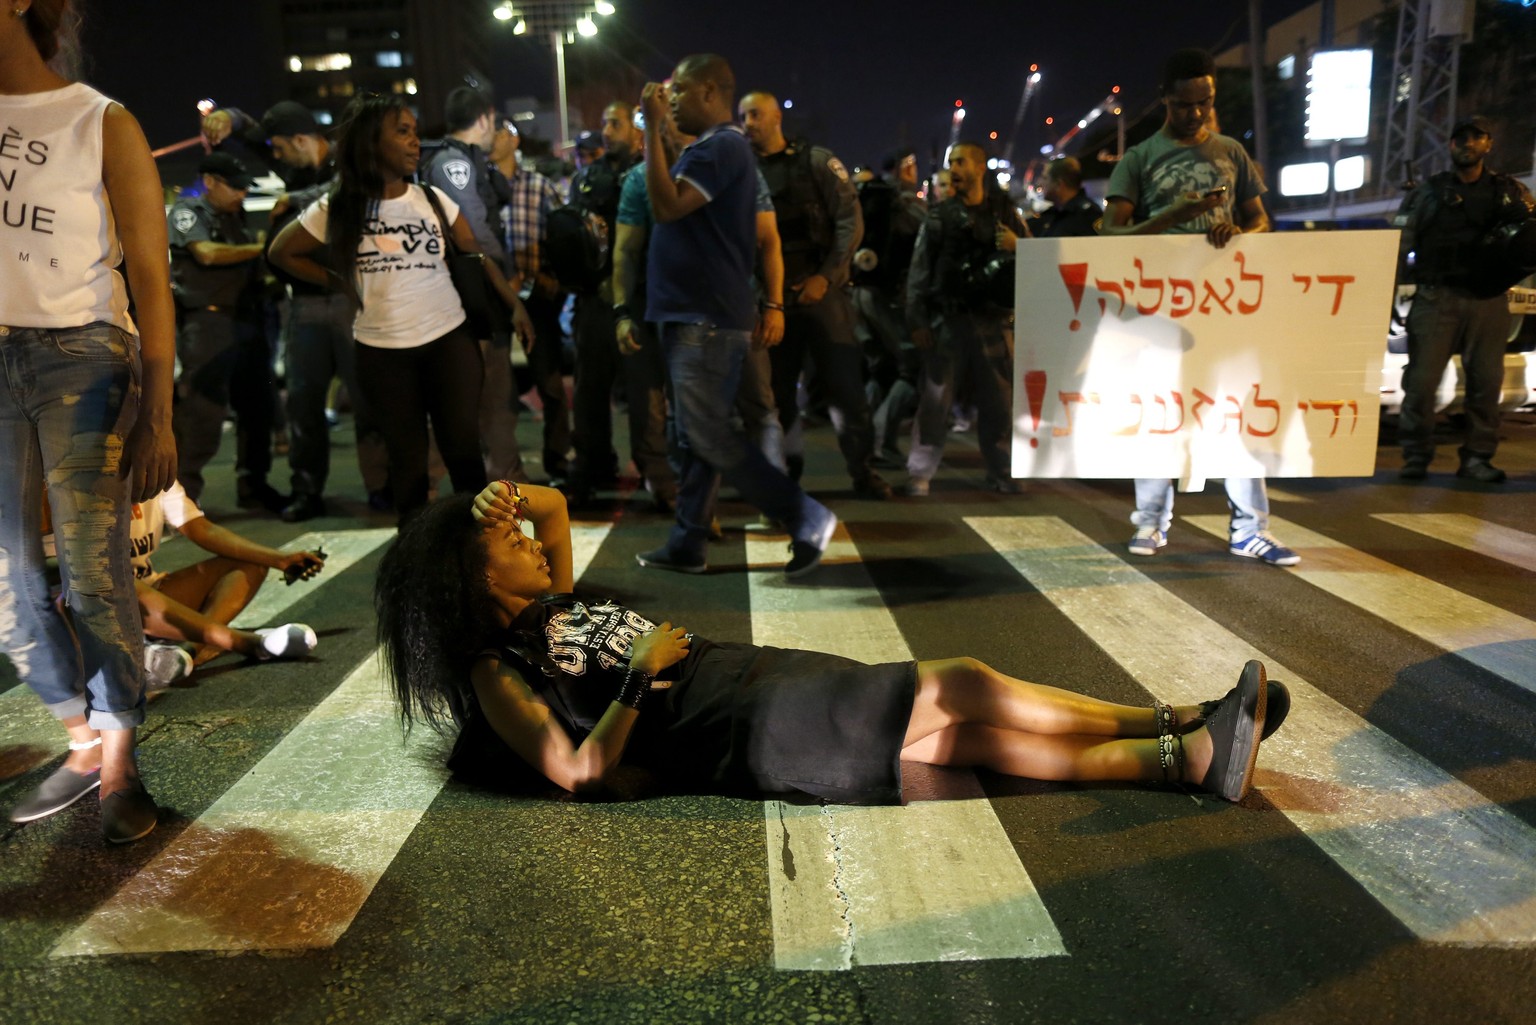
(634, 688)
(518, 498)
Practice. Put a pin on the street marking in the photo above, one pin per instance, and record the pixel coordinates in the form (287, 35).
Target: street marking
(1282, 495)
(931, 881)
(32, 737)
(1485, 635)
(285, 859)
(1515, 547)
(1451, 866)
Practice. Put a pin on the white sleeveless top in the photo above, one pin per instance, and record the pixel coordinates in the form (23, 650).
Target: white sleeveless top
(59, 251)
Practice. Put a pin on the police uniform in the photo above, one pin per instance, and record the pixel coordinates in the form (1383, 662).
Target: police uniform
(972, 337)
(226, 361)
(596, 189)
(819, 228)
(317, 347)
(467, 176)
(893, 213)
(1078, 217)
(1459, 307)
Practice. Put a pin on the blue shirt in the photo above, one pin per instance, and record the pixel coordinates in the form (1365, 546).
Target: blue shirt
(700, 265)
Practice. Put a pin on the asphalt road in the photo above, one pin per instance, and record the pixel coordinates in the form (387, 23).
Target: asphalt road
(313, 867)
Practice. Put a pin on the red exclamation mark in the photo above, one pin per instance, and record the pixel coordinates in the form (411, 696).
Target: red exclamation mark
(1075, 277)
(1034, 389)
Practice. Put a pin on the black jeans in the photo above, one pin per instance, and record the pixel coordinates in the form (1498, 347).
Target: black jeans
(439, 381)
(226, 363)
(824, 333)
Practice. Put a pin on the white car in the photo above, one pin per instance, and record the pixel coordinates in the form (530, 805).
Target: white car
(1519, 363)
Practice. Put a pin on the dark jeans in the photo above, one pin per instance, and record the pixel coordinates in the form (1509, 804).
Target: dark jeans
(319, 347)
(598, 363)
(975, 353)
(823, 332)
(439, 381)
(895, 363)
(1442, 323)
(704, 364)
(226, 364)
(549, 379)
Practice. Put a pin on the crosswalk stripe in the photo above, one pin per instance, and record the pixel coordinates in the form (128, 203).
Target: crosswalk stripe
(931, 881)
(1282, 495)
(1451, 866)
(1515, 547)
(287, 856)
(1485, 635)
(32, 736)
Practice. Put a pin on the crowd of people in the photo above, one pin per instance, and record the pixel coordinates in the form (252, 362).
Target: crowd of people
(724, 276)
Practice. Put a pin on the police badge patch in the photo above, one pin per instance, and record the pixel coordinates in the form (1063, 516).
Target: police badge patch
(836, 167)
(183, 219)
(458, 172)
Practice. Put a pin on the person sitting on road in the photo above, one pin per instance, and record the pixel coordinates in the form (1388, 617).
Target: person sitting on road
(480, 633)
(194, 605)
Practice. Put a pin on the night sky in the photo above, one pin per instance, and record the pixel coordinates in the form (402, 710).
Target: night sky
(863, 75)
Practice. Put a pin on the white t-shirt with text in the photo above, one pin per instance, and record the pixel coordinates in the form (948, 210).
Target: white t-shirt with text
(407, 292)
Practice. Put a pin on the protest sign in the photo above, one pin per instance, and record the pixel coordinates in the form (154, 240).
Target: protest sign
(1163, 356)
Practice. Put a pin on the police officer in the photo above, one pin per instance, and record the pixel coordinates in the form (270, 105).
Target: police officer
(1450, 226)
(819, 229)
(966, 338)
(1072, 214)
(892, 213)
(317, 334)
(222, 345)
(596, 189)
(460, 167)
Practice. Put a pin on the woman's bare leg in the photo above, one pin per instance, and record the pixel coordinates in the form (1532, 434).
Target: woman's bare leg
(1061, 757)
(964, 690)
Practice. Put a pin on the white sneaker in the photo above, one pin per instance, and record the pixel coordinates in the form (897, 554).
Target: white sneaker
(292, 640)
(164, 664)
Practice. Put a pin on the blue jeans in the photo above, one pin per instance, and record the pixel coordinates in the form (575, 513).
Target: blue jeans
(1246, 498)
(705, 364)
(67, 402)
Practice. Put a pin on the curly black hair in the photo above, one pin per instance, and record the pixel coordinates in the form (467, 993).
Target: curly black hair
(435, 613)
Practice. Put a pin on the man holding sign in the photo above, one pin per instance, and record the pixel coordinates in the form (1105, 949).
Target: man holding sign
(1187, 179)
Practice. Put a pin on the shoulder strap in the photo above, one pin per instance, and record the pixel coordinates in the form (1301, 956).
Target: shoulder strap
(449, 249)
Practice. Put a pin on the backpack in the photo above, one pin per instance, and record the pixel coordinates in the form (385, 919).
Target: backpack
(892, 249)
(576, 247)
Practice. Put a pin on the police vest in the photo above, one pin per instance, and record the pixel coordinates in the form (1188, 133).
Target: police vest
(805, 224)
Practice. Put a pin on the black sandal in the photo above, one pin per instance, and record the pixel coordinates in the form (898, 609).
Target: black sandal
(1236, 726)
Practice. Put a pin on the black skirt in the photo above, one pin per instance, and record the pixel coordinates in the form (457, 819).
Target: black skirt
(741, 719)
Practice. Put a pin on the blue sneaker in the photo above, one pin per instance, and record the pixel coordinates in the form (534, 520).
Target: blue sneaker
(1146, 541)
(1262, 546)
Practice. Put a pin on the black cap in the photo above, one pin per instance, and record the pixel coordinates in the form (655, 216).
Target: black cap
(1474, 123)
(288, 118)
(589, 142)
(228, 167)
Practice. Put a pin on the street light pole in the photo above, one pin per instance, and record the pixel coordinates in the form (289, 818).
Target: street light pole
(557, 40)
(559, 18)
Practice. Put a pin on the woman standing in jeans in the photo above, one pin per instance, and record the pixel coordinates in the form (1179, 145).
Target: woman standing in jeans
(85, 405)
(416, 358)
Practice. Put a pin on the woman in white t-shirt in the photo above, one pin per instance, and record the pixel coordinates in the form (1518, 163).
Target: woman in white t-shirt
(85, 404)
(416, 358)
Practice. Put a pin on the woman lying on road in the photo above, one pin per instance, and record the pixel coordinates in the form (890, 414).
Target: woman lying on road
(479, 628)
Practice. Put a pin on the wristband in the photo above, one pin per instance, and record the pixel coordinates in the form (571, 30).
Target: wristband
(634, 688)
(621, 312)
(773, 306)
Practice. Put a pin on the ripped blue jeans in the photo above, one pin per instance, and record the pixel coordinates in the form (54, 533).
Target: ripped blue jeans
(68, 398)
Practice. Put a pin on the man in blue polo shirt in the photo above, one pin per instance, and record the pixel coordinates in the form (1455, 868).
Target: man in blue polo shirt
(700, 292)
